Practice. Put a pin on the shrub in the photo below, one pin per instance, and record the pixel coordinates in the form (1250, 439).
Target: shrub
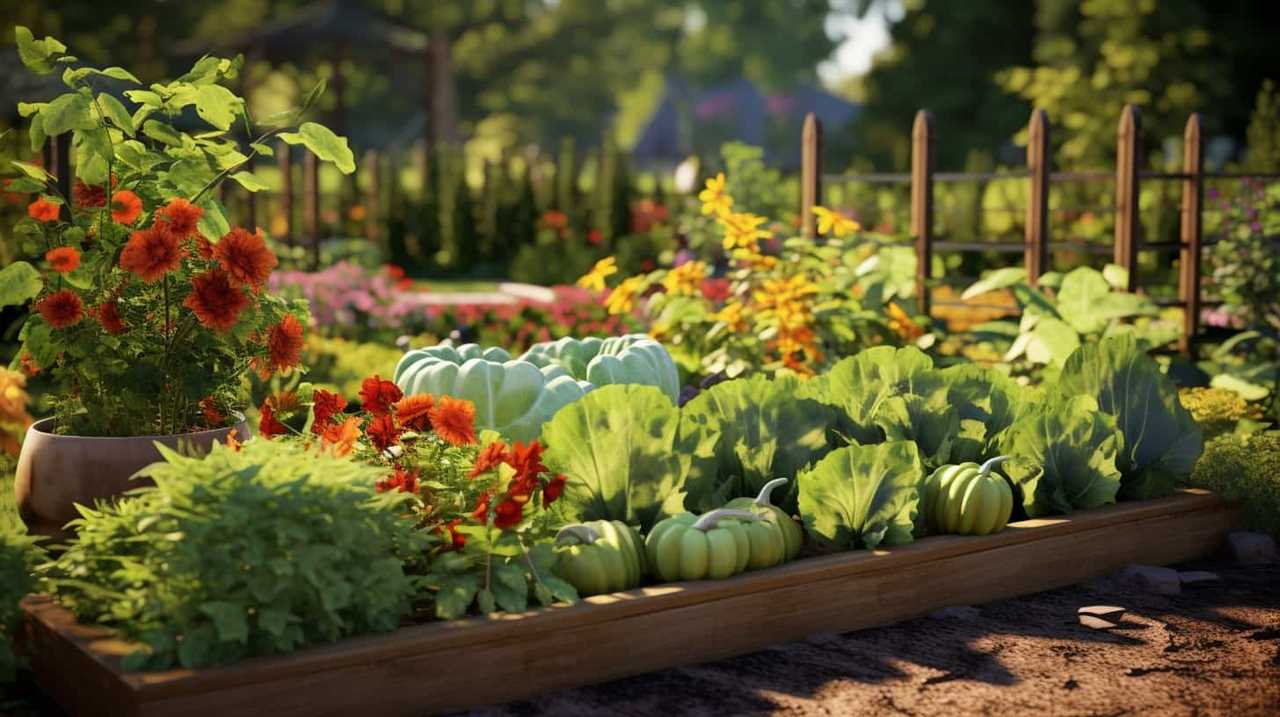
(18, 556)
(244, 552)
(1245, 468)
(1217, 410)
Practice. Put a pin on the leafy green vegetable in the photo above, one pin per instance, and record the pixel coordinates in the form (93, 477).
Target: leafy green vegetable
(1063, 456)
(931, 423)
(767, 430)
(1161, 441)
(985, 396)
(617, 447)
(857, 385)
(862, 496)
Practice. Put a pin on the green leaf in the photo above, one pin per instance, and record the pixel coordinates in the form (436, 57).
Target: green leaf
(119, 73)
(229, 620)
(560, 589)
(213, 224)
(19, 282)
(1083, 290)
(1161, 441)
(37, 55)
(264, 150)
(36, 172)
(1116, 276)
(616, 445)
(324, 144)
(1051, 342)
(146, 98)
(37, 134)
(217, 105)
(1063, 457)
(312, 95)
(862, 496)
(116, 112)
(26, 185)
(1247, 390)
(930, 423)
(510, 588)
(161, 132)
(857, 385)
(66, 113)
(987, 396)
(26, 109)
(485, 601)
(994, 280)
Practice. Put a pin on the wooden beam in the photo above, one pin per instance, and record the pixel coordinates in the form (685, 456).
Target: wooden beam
(922, 158)
(810, 173)
(1128, 142)
(1191, 234)
(1038, 169)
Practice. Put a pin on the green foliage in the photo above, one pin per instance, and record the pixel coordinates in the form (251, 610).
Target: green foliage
(859, 385)
(862, 496)
(18, 557)
(1217, 410)
(1263, 138)
(19, 282)
(1245, 469)
(341, 365)
(239, 553)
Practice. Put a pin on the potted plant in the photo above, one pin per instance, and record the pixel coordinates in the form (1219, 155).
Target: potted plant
(147, 307)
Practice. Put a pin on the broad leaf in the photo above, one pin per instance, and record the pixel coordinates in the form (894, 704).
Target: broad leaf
(1063, 456)
(857, 385)
(162, 133)
(324, 144)
(862, 496)
(250, 181)
(217, 105)
(19, 282)
(1051, 342)
(67, 112)
(1161, 440)
(987, 396)
(995, 280)
(930, 423)
(37, 55)
(1082, 293)
(116, 112)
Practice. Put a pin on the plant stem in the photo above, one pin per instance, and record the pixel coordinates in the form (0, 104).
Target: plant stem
(228, 171)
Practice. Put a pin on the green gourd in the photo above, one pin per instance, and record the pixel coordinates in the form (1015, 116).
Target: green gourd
(600, 556)
(687, 547)
(775, 517)
(967, 499)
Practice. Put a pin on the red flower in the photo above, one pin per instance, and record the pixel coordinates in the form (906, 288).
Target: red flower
(212, 416)
(382, 432)
(216, 303)
(492, 456)
(527, 460)
(557, 220)
(508, 514)
(414, 412)
(109, 316)
(88, 196)
(182, 217)
(481, 513)
(595, 238)
(393, 271)
(204, 247)
(454, 420)
(61, 309)
(245, 257)
(458, 540)
(284, 344)
(402, 480)
(268, 426)
(151, 253)
(43, 210)
(553, 490)
(125, 207)
(324, 406)
(377, 395)
(63, 259)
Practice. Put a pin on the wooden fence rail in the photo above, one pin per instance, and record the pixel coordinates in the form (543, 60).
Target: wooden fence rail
(1039, 174)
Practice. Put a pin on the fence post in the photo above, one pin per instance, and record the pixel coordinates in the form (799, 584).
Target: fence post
(1192, 227)
(1037, 229)
(1128, 136)
(311, 205)
(922, 203)
(57, 161)
(286, 191)
(373, 193)
(810, 173)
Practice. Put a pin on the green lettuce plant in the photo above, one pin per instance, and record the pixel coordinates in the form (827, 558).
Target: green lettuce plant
(862, 496)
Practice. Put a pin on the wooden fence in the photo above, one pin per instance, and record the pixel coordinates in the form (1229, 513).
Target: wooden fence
(1039, 174)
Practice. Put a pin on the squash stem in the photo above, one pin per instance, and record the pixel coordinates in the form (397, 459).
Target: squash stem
(712, 519)
(580, 534)
(986, 467)
(763, 499)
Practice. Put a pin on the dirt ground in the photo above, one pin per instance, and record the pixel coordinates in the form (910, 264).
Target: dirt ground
(1212, 650)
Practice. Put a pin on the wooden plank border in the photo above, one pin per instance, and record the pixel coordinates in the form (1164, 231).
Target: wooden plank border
(444, 666)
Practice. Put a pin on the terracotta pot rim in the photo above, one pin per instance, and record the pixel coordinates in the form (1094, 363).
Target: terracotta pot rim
(40, 426)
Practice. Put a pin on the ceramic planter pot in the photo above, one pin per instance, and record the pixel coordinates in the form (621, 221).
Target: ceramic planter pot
(56, 472)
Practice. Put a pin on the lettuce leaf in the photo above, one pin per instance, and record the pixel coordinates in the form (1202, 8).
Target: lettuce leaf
(931, 423)
(858, 385)
(1161, 441)
(862, 496)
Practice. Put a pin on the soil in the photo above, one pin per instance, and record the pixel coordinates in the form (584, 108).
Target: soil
(1214, 649)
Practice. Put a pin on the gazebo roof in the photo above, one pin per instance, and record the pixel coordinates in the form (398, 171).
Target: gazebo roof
(324, 22)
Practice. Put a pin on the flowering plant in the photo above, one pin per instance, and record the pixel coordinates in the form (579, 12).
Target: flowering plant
(148, 306)
(485, 500)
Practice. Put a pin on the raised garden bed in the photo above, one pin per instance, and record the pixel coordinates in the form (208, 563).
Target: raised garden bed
(451, 665)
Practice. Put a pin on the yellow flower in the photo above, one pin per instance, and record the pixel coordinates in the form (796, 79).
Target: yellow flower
(901, 324)
(742, 230)
(830, 222)
(622, 299)
(686, 278)
(714, 200)
(594, 279)
(732, 315)
(753, 259)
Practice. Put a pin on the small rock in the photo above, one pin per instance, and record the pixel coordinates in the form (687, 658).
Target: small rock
(1105, 612)
(1070, 684)
(959, 612)
(1198, 577)
(1162, 581)
(1249, 548)
(1097, 623)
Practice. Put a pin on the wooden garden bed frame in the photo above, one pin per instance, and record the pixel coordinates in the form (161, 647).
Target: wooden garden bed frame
(444, 666)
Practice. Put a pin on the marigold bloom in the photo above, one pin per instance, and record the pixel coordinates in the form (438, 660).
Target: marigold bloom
(245, 257)
(902, 324)
(108, 314)
(182, 217)
(61, 309)
(527, 459)
(454, 420)
(324, 406)
(125, 207)
(88, 196)
(714, 199)
(553, 490)
(402, 480)
(508, 514)
(340, 438)
(490, 457)
(414, 412)
(594, 279)
(43, 210)
(63, 259)
(622, 299)
(383, 432)
(284, 344)
(268, 425)
(830, 222)
(686, 278)
(732, 315)
(151, 253)
(216, 303)
(377, 394)
(204, 247)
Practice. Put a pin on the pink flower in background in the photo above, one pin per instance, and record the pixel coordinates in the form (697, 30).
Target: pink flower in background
(714, 107)
(779, 105)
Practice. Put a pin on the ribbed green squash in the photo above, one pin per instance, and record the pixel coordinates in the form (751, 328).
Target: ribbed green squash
(688, 547)
(600, 556)
(774, 517)
(634, 358)
(967, 499)
(511, 396)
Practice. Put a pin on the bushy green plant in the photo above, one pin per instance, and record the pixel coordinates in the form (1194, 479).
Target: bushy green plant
(242, 552)
(1217, 410)
(18, 557)
(1245, 469)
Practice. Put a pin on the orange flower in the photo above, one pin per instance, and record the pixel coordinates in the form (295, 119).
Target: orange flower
(63, 259)
(383, 432)
(245, 257)
(88, 196)
(402, 480)
(109, 316)
(204, 247)
(268, 426)
(151, 253)
(61, 309)
(341, 437)
(182, 217)
(454, 420)
(216, 303)
(232, 443)
(43, 210)
(492, 456)
(125, 207)
(324, 406)
(377, 394)
(414, 412)
(284, 344)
